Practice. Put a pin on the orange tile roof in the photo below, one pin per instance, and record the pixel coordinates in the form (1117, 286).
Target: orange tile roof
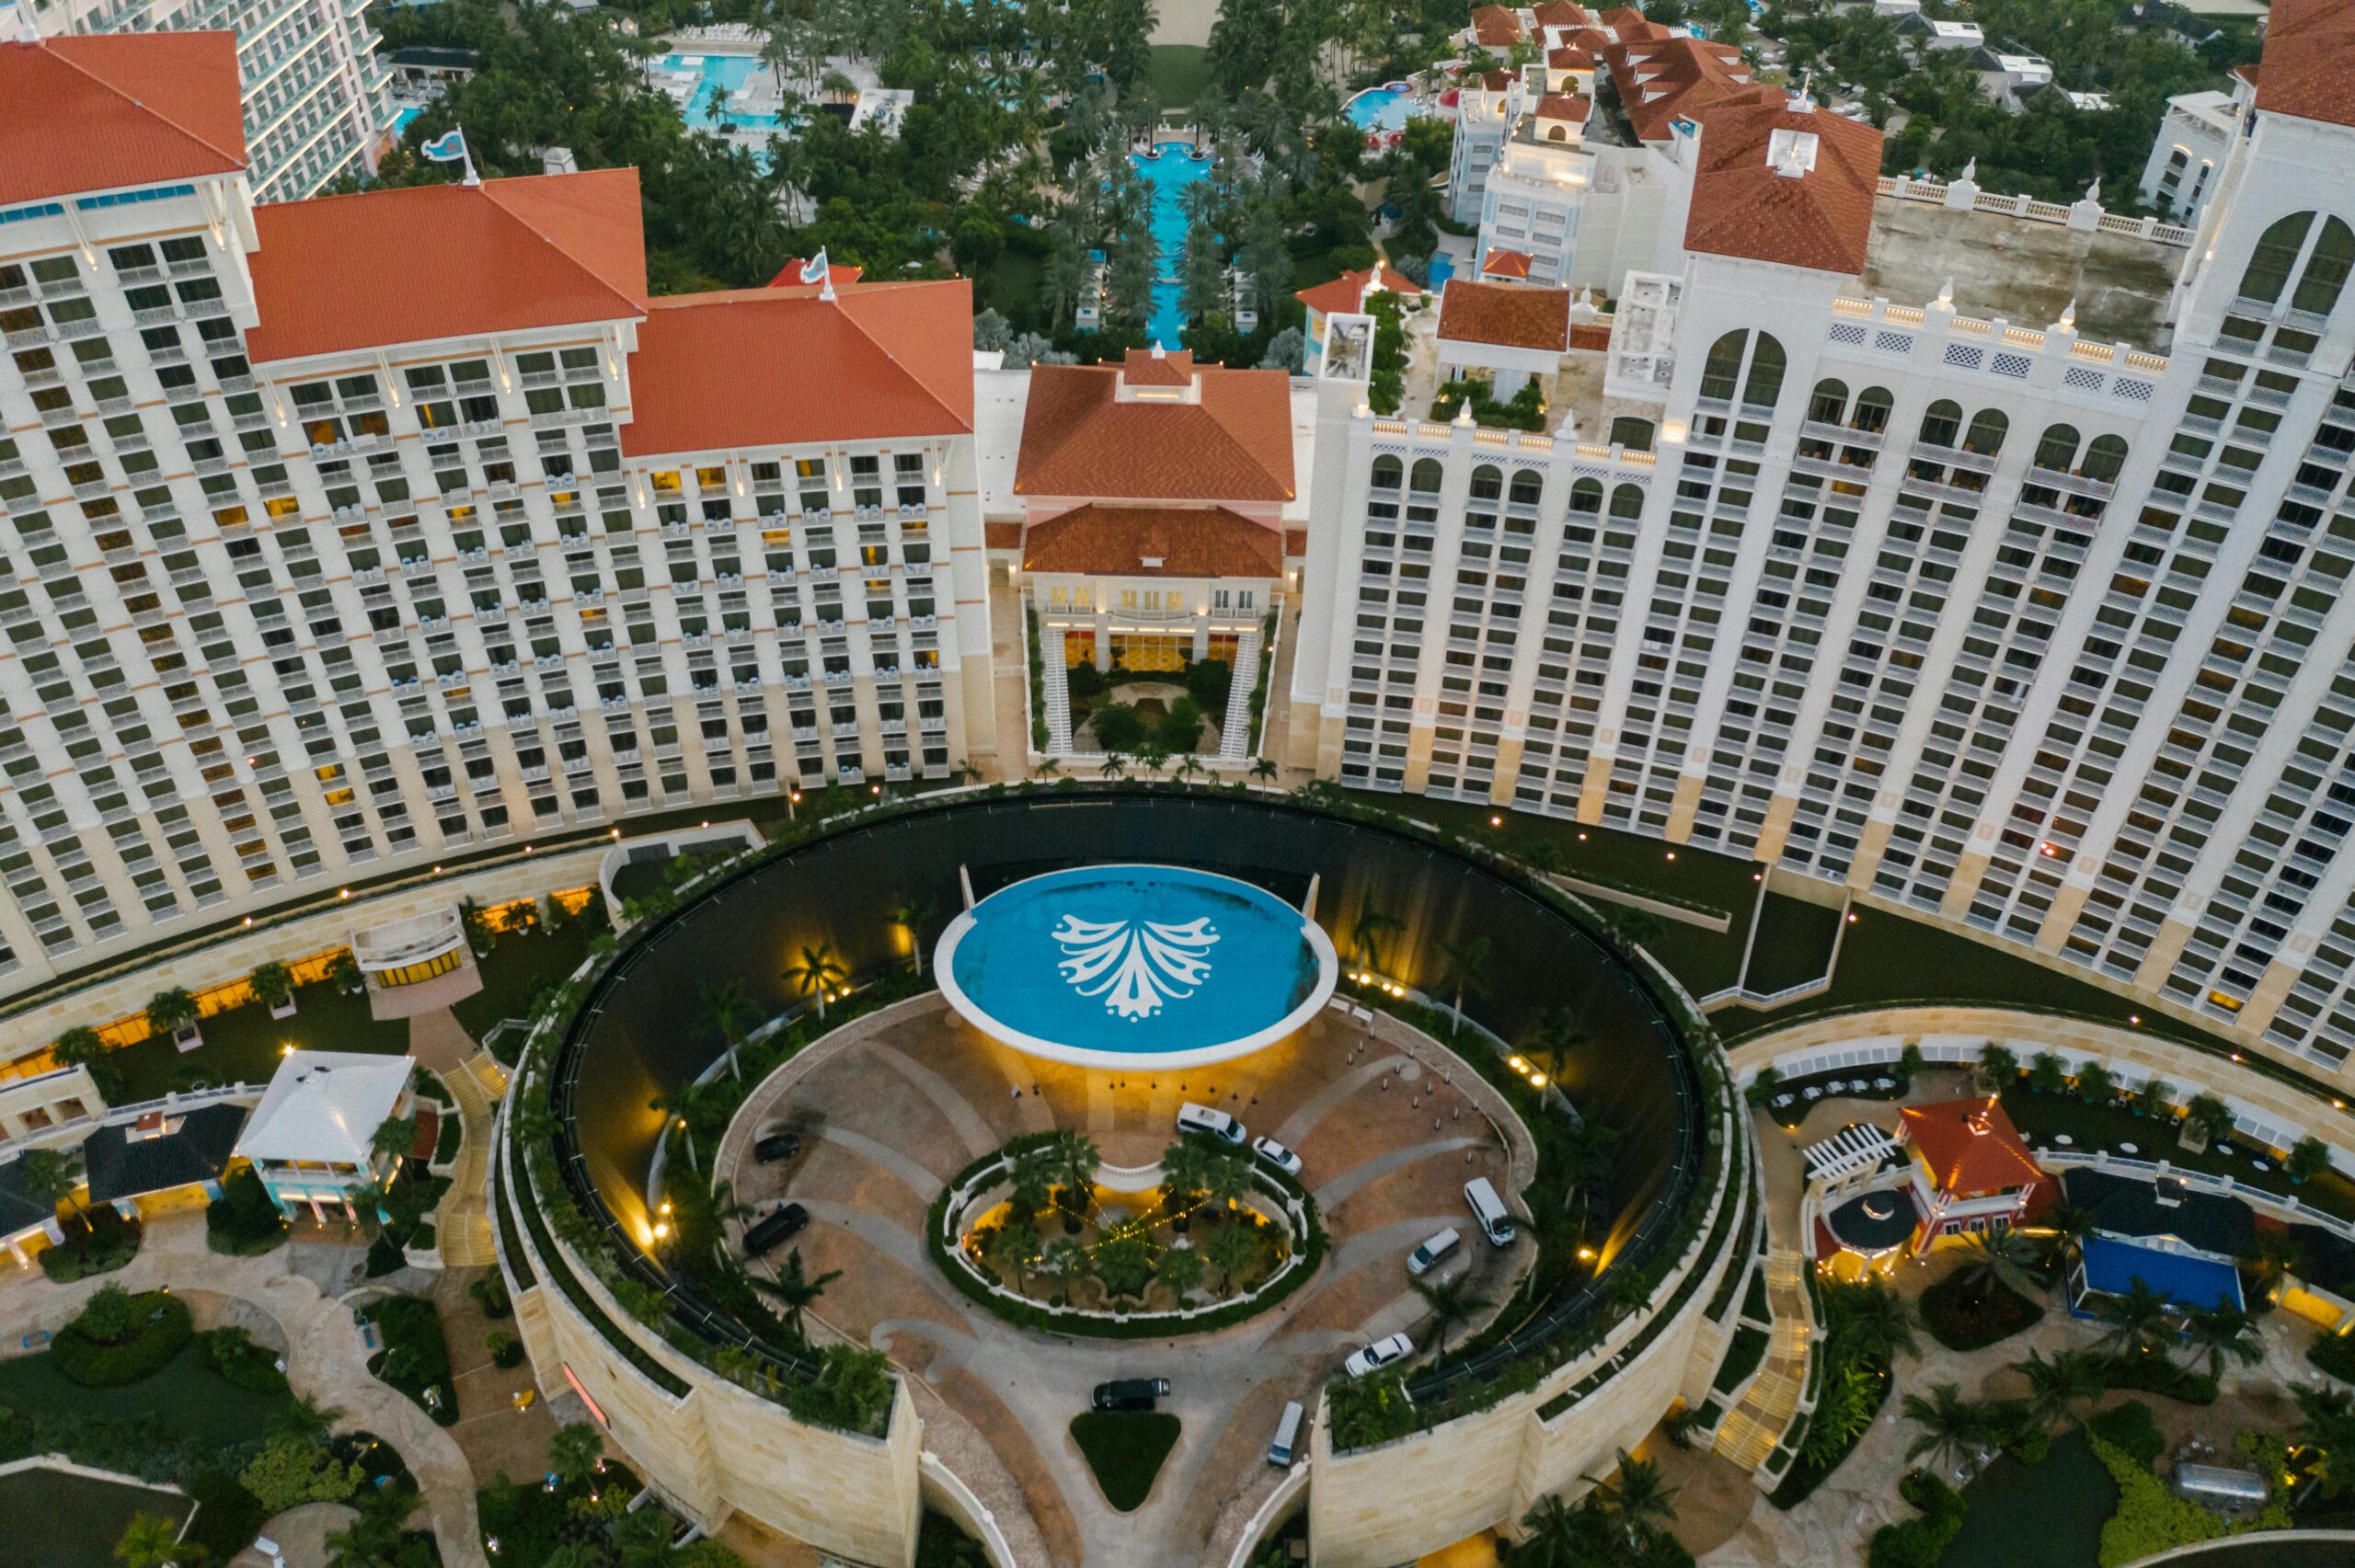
(1570, 57)
(1742, 206)
(1594, 338)
(341, 272)
(1494, 24)
(117, 110)
(1508, 264)
(1002, 535)
(1147, 367)
(1347, 293)
(778, 367)
(1970, 1145)
(1170, 542)
(1564, 106)
(1559, 14)
(1509, 315)
(1675, 79)
(2309, 61)
(1232, 442)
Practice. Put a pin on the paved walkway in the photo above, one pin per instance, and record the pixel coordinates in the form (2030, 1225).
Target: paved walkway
(463, 1222)
(325, 1357)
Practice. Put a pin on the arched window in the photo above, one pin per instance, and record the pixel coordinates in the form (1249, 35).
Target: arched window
(1942, 422)
(2327, 268)
(1528, 485)
(1586, 496)
(2056, 448)
(1988, 428)
(1427, 476)
(2275, 256)
(1722, 372)
(1765, 382)
(1872, 409)
(1830, 404)
(1634, 434)
(1627, 503)
(1558, 134)
(1487, 482)
(2105, 457)
(1387, 472)
(2178, 158)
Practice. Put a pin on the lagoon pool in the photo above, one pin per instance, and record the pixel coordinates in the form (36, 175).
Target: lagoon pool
(1380, 109)
(1170, 170)
(724, 73)
(1135, 966)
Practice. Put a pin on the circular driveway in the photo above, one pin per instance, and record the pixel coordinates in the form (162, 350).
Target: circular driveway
(1389, 1127)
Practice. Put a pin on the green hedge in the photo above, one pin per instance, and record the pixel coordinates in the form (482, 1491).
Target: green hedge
(243, 1223)
(100, 1242)
(237, 1360)
(1748, 1348)
(445, 1142)
(1964, 1321)
(1919, 1543)
(164, 1331)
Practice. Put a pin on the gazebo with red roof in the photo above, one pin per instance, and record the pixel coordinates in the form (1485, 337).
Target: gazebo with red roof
(1972, 1170)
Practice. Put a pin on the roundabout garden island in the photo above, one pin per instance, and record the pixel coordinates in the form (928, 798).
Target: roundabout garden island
(833, 1227)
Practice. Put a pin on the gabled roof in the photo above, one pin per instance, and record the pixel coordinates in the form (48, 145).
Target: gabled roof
(408, 265)
(1970, 1145)
(1176, 542)
(1559, 14)
(324, 1105)
(2309, 61)
(1570, 57)
(1777, 184)
(1564, 106)
(121, 1163)
(1512, 265)
(1347, 293)
(776, 366)
(1661, 80)
(1507, 315)
(1225, 436)
(117, 110)
(1495, 26)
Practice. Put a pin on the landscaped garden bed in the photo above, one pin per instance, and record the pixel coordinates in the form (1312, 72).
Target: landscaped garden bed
(120, 1338)
(98, 1240)
(415, 1357)
(1124, 1450)
(1964, 1317)
(243, 1221)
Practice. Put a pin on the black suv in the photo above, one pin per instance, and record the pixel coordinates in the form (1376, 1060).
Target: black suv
(1128, 1393)
(772, 1232)
(776, 1146)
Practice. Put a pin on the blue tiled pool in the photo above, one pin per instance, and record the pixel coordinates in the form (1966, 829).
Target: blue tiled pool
(401, 119)
(1170, 169)
(1380, 109)
(724, 73)
(1122, 965)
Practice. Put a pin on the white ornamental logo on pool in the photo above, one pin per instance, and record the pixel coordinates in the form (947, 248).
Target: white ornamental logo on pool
(1135, 965)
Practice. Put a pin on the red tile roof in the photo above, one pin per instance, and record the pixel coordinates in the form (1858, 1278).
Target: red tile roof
(1002, 535)
(1676, 79)
(1511, 265)
(1347, 293)
(1593, 337)
(1232, 442)
(1970, 1145)
(1744, 206)
(777, 367)
(1559, 14)
(342, 272)
(1570, 57)
(1509, 315)
(2309, 61)
(117, 110)
(1145, 367)
(1173, 542)
(1564, 106)
(1495, 26)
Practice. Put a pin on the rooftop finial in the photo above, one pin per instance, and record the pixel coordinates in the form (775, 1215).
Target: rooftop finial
(1945, 294)
(2068, 317)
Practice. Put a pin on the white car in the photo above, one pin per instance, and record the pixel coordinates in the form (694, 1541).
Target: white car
(1378, 1354)
(1276, 1154)
(1211, 1123)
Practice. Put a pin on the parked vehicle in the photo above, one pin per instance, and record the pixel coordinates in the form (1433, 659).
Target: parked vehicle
(776, 1147)
(1217, 1124)
(1496, 1220)
(1276, 1154)
(1424, 1258)
(778, 1227)
(1279, 1452)
(1128, 1393)
(1380, 1354)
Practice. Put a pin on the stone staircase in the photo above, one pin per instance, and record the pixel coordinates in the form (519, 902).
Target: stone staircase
(1235, 729)
(1750, 1434)
(1058, 691)
(463, 1222)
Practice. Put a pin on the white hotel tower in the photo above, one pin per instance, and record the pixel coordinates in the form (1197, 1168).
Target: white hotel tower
(1991, 560)
(367, 531)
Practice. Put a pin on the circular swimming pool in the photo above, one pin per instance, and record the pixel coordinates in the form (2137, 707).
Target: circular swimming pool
(1126, 965)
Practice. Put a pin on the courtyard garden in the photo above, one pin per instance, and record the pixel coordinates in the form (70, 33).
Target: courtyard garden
(1131, 713)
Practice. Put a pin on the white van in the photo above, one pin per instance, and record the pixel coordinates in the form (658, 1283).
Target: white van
(1217, 1124)
(1496, 1221)
(1287, 1437)
(1423, 1259)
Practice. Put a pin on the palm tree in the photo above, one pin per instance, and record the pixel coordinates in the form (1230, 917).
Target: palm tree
(818, 970)
(1229, 1249)
(1184, 1167)
(373, 1539)
(1264, 769)
(1013, 1249)
(151, 1541)
(796, 1290)
(1559, 1536)
(169, 1011)
(1188, 767)
(1451, 1305)
(306, 1418)
(1559, 1036)
(1372, 926)
(2138, 1320)
(272, 984)
(1997, 1258)
(2326, 1424)
(1152, 757)
(1114, 766)
(1074, 1160)
(2057, 1387)
(575, 1450)
(1467, 973)
(1031, 1178)
(50, 1176)
(1637, 1500)
(1048, 768)
(912, 912)
(724, 1008)
(2221, 1331)
(1873, 1317)
(1591, 1151)
(1068, 1260)
(1180, 1269)
(1226, 1177)
(1953, 1428)
(2272, 1255)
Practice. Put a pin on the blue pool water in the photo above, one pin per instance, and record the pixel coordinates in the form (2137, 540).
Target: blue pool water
(1172, 168)
(400, 121)
(1380, 109)
(725, 72)
(1442, 268)
(1131, 964)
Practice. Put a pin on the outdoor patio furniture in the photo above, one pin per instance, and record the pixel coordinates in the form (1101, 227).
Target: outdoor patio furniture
(2127, 1149)
(1812, 1092)
(1781, 1100)
(2063, 1140)
(1884, 1083)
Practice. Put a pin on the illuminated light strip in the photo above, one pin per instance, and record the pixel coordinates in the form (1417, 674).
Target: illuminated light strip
(594, 1409)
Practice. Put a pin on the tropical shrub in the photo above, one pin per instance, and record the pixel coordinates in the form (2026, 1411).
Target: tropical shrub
(120, 1338)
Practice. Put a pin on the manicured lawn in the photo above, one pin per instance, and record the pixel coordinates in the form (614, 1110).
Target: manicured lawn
(1177, 73)
(1125, 1450)
(59, 1520)
(187, 1398)
(2042, 1515)
(1962, 1322)
(1793, 945)
(244, 1045)
(2041, 1117)
(521, 963)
